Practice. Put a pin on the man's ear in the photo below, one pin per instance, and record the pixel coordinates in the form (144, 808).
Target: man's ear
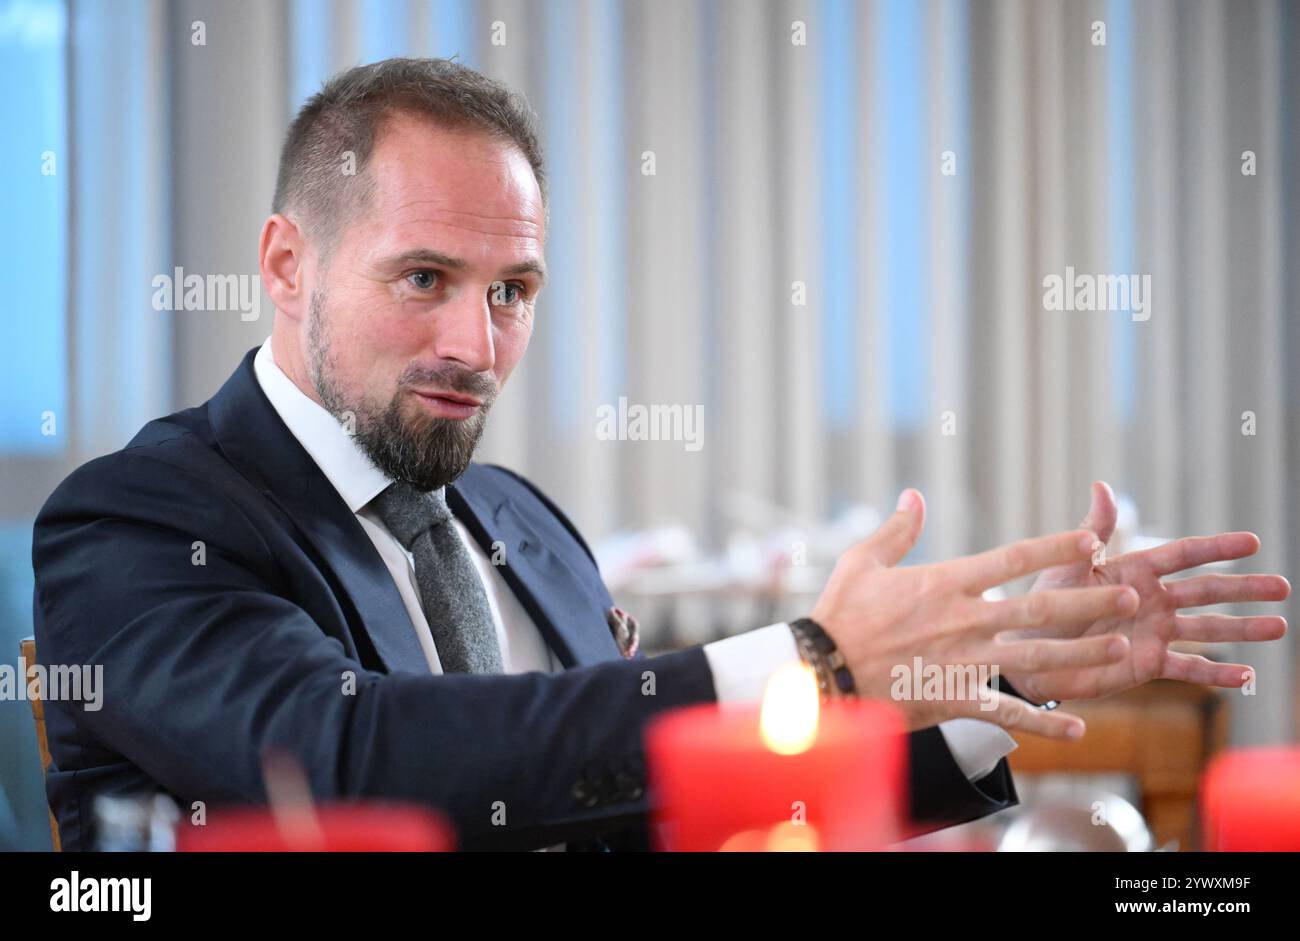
(281, 253)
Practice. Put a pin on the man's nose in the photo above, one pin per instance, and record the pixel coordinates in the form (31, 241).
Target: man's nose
(463, 331)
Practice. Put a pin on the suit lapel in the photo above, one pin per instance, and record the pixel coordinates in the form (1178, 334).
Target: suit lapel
(255, 439)
(568, 608)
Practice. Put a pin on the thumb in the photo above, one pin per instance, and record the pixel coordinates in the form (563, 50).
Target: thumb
(1102, 513)
(898, 534)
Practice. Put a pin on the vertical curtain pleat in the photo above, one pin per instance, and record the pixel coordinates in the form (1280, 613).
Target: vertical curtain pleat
(1157, 434)
(1007, 290)
(1052, 330)
(798, 378)
(752, 281)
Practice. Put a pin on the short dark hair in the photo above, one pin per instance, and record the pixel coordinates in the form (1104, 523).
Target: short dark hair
(350, 110)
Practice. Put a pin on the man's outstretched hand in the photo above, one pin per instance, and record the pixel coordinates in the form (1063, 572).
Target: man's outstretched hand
(1157, 621)
(883, 617)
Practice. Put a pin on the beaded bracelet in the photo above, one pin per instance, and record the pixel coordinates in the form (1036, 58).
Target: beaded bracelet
(818, 650)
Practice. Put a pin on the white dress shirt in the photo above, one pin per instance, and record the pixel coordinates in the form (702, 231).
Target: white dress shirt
(740, 665)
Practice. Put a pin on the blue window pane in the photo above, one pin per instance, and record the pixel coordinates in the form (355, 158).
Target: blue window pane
(906, 166)
(384, 30)
(311, 31)
(454, 28)
(33, 246)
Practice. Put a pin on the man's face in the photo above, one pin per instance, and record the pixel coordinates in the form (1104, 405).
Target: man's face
(426, 303)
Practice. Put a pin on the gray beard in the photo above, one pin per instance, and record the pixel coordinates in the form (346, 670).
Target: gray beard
(424, 451)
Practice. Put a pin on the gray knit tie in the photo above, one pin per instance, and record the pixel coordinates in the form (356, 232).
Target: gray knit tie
(451, 593)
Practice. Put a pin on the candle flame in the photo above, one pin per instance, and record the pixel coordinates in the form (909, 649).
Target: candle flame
(788, 719)
(785, 837)
(790, 837)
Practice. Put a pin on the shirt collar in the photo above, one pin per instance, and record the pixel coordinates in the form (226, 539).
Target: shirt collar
(335, 452)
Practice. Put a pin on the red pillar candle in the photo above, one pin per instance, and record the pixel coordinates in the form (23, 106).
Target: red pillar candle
(720, 783)
(329, 828)
(1250, 800)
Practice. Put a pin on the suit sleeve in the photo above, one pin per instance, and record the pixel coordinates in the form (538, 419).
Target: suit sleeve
(205, 665)
(941, 795)
(940, 792)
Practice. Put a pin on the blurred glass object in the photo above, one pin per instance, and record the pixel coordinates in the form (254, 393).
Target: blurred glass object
(1076, 827)
(1077, 817)
(137, 824)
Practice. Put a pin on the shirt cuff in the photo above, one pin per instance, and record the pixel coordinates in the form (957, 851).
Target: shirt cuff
(742, 664)
(977, 746)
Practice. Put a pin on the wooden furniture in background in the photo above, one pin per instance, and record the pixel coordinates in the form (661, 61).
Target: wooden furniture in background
(1163, 734)
(27, 651)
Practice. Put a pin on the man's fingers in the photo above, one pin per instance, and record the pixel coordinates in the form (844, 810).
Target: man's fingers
(1061, 606)
(1102, 512)
(1016, 715)
(1222, 628)
(1193, 668)
(898, 534)
(1180, 554)
(977, 573)
(1223, 589)
(1037, 656)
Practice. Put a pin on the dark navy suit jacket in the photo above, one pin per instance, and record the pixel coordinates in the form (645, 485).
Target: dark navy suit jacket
(206, 665)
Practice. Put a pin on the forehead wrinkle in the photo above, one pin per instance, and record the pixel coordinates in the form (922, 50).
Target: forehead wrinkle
(445, 211)
(447, 239)
(498, 226)
(378, 255)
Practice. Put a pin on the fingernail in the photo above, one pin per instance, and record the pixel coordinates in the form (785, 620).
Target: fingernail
(1128, 601)
(1076, 731)
(1087, 542)
(1117, 647)
(904, 500)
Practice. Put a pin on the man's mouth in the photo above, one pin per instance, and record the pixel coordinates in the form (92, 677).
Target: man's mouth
(448, 404)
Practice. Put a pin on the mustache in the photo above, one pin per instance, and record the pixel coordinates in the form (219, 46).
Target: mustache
(451, 379)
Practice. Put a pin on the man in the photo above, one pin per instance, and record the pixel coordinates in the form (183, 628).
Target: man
(310, 562)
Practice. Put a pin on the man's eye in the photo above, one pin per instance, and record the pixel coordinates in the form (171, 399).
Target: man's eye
(506, 293)
(424, 280)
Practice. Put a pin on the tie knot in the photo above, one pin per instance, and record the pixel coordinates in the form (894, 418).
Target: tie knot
(409, 513)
